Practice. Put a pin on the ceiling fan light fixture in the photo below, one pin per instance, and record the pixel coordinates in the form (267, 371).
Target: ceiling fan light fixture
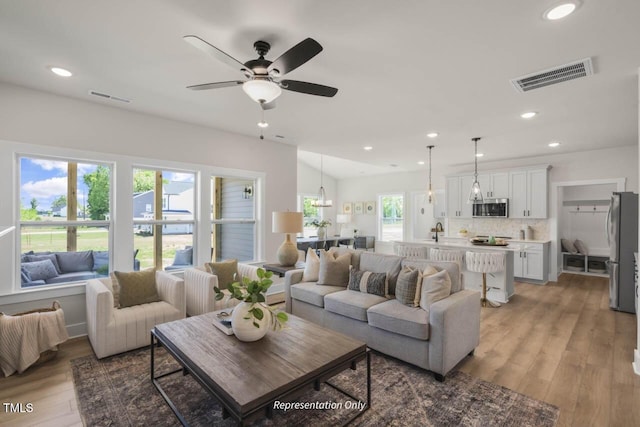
(261, 90)
(263, 124)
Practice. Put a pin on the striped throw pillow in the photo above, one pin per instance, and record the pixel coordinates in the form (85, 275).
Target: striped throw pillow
(368, 282)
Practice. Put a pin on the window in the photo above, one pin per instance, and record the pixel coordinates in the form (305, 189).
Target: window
(64, 220)
(391, 215)
(233, 221)
(163, 219)
(310, 213)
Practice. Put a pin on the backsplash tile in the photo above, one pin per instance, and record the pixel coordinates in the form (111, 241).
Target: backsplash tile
(499, 227)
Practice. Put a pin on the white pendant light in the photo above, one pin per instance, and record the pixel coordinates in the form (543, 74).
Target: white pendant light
(261, 90)
(432, 196)
(321, 201)
(475, 195)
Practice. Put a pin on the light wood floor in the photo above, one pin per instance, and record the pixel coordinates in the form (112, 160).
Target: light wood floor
(559, 343)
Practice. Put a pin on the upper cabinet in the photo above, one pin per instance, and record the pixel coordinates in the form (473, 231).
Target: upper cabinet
(528, 193)
(494, 185)
(440, 204)
(457, 193)
(526, 190)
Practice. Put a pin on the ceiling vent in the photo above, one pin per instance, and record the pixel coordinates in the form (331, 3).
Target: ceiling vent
(104, 95)
(551, 76)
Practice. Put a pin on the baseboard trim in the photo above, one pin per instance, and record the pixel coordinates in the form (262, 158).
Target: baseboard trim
(636, 361)
(77, 329)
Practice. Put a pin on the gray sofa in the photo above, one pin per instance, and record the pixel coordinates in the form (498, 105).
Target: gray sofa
(436, 340)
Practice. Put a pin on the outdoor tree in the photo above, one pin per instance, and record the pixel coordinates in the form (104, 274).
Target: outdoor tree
(34, 203)
(59, 203)
(98, 197)
(143, 180)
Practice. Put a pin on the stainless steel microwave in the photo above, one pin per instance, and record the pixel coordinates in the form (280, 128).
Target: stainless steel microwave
(495, 208)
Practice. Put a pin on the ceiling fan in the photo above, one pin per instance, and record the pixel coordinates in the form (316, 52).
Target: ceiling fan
(264, 84)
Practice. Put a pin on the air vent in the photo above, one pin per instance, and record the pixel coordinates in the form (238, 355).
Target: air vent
(104, 95)
(551, 76)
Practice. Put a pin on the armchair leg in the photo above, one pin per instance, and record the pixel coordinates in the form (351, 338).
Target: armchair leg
(438, 377)
(472, 352)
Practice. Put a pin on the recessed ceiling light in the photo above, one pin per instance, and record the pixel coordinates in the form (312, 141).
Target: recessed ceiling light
(421, 162)
(554, 144)
(560, 11)
(263, 124)
(61, 72)
(480, 155)
(432, 134)
(368, 148)
(528, 115)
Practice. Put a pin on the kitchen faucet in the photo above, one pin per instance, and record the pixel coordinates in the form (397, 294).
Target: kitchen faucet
(439, 227)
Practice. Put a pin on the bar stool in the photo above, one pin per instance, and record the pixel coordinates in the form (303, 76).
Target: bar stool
(483, 262)
(411, 251)
(447, 255)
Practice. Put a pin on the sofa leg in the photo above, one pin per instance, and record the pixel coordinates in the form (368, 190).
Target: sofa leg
(471, 353)
(438, 377)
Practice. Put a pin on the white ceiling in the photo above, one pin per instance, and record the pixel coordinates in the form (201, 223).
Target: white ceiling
(403, 68)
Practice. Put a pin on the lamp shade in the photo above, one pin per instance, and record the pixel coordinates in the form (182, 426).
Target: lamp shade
(343, 218)
(287, 222)
(261, 90)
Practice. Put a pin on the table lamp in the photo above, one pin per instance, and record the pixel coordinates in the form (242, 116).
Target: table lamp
(344, 219)
(288, 223)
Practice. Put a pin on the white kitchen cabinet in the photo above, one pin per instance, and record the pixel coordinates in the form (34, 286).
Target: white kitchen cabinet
(457, 192)
(440, 205)
(528, 193)
(531, 261)
(494, 185)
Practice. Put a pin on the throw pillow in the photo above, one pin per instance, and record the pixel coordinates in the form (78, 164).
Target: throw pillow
(426, 272)
(407, 286)
(311, 266)
(334, 270)
(40, 270)
(115, 290)
(581, 247)
(183, 257)
(434, 288)
(227, 272)
(24, 276)
(137, 287)
(568, 246)
(101, 261)
(368, 282)
(72, 262)
(52, 257)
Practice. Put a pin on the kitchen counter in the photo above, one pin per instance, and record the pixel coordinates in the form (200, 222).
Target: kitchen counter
(456, 242)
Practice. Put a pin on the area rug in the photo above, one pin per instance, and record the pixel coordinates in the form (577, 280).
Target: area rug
(117, 391)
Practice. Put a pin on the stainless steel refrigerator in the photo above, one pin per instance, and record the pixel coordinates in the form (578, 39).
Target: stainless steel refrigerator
(622, 233)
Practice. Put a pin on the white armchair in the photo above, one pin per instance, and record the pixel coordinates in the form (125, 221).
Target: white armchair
(112, 330)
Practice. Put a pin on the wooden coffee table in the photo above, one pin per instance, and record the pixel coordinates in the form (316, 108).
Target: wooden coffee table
(247, 378)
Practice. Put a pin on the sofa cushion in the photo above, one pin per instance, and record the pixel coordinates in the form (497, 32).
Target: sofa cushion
(52, 257)
(136, 287)
(312, 293)
(183, 256)
(101, 262)
(24, 276)
(311, 266)
(227, 272)
(368, 282)
(40, 270)
(581, 247)
(352, 304)
(355, 254)
(393, 316)
(71, 262)
(568, 246)
(381, 263)
(453, 268)
(434, 288)
(72, 277)
(334, 269)
(407, 286)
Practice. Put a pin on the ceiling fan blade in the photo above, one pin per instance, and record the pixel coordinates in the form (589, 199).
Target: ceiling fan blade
(268, 105)
(296, 56)
(216, 85)
(309, 88)
(213, 51)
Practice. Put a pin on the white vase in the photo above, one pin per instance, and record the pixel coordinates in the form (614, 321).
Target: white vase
(243, 328)
(322, 232)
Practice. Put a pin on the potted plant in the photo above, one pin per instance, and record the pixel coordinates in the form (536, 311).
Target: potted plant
(321, 226)
(251, 318)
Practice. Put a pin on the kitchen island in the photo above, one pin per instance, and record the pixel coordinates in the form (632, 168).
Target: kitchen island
(499, 285)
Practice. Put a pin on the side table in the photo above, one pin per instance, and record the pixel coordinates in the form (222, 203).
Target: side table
(280, 270)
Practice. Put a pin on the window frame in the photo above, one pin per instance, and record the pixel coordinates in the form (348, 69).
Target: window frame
(380, 214)
(300, 205)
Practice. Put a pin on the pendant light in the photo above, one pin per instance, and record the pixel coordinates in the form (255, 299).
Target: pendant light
(321, 201)
(475, 195)
(432, 197)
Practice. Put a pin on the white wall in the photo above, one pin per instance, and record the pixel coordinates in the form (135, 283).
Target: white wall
(56, 124)
(309, 183)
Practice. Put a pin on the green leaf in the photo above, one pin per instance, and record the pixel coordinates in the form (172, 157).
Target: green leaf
(254, 298)
(261, 298)
(258, 313)
(282, 316)
(256, 324)
(219, 296)
(268, 274)
(216, 289)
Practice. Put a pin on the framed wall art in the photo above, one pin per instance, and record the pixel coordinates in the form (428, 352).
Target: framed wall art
(358, 208)
(370, 208)
(347, 207)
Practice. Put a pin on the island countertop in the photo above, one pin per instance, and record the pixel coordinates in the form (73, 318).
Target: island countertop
(457, 243)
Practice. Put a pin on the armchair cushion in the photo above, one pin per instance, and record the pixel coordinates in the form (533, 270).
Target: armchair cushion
(137, 287)
(227, 272)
